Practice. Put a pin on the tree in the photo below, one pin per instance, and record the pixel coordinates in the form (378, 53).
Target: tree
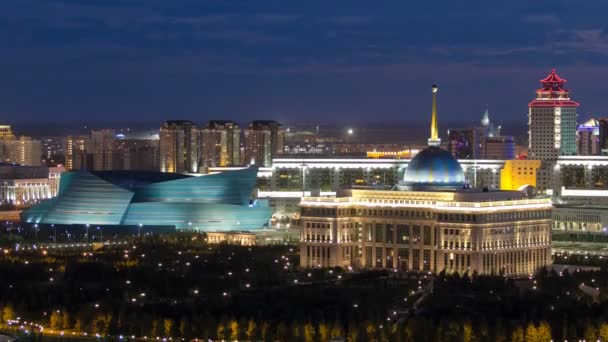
(234, 330)
(78, 325)
(251, 328)
(518, 335)
(66, 322)
(323, 331)
(220, 332)
(185, 328)
(467, 332)
(55, 320)
(167, 327)
(264, 330)
(370, 330)
(309, 332)
(590, 332)
(353, 332)
(603, 331)
(531, 333)
(336, 330)
(544, 332)
(8, 313)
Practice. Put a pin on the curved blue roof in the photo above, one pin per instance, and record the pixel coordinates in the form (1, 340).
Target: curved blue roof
(213, 202)
(434, 167)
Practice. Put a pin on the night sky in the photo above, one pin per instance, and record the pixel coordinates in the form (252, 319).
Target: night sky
(152, 60)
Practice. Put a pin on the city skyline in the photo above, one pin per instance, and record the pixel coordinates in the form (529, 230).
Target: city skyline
(130, 61)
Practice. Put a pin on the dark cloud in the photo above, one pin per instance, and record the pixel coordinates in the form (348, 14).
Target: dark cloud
(153, 59)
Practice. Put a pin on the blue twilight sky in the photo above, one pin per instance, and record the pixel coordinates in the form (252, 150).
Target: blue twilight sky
(151, 60)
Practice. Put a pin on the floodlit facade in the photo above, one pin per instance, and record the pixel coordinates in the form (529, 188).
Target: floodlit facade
(264, 139)
(221, 143)
(137, 198)
(463, 231)
(24, 186)
(23, 151)
(431, 221)
(178, 146)
(552, 120)
(518, 173)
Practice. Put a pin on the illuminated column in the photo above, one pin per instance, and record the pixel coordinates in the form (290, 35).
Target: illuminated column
(434, 139)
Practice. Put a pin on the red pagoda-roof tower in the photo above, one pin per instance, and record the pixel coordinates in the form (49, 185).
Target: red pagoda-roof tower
(553, 93)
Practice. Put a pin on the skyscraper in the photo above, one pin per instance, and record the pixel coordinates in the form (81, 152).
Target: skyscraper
(178, 146)
(221, 142)
(552, 120)
(263, 141)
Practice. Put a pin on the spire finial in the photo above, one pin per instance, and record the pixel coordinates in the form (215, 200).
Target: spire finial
(434, 139)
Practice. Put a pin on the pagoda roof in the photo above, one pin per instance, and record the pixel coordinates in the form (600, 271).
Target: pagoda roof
(553, 78)
(553, 103)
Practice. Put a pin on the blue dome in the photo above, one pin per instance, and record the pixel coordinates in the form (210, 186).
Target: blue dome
(434, 167)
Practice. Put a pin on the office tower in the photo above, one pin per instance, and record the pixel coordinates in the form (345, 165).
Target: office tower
(178, 146)
(592, 137)
(76, 153)
(263, 141)
(102, 143)
(23, 151)
(221, 141)
(552, 120)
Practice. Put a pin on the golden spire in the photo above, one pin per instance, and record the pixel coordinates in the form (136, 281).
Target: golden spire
(434, 139)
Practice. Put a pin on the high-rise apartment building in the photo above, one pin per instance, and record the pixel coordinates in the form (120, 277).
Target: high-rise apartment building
(178, 146)
(102, 143)
(135, 154)
(264, 139)
(552, 120)
(23, 151)
(76, 152)
(221, 141)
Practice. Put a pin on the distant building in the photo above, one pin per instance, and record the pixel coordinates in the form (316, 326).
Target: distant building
(221, 142)
(592, 137)
(264, 140)
(6, 133)
(178, 146)
(500, 148)
(552, 120)
(461, 143)
(102, 144)
(481, 142)
(24, 151)
(136, 154)
(76, 153)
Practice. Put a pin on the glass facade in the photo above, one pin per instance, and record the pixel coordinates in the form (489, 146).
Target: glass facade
(207, 203)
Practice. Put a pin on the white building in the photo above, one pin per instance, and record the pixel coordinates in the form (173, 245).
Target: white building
(552, 121)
